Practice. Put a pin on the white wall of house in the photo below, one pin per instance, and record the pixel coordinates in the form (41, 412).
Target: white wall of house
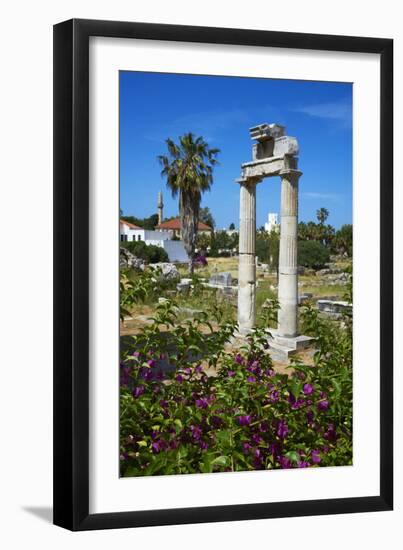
(149, 235)
(175, 249)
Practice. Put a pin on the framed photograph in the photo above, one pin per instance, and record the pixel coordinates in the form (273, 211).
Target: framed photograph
(223, 303)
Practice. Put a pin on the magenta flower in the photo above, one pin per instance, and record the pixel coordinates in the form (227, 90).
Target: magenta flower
(315, 456)
(302, 464)
(282, 429)
(146, 374)
(238, 359)
(151, 363)
(284, 462)
(179, 378)
(251, 379)
(244, 420)
(137, 391)
(308, 389)
(196, 432)
(230, 373)
(202, 403)
(124, 376)
(156, 446)
(309, 416)
(323, 405)
(274, 396)
(330, 434)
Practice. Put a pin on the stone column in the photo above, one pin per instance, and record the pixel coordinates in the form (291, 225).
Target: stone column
(288, 266)
(247, 251)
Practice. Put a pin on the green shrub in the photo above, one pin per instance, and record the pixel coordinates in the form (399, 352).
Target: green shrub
(148, 252)
(248, 417)
(312, 254)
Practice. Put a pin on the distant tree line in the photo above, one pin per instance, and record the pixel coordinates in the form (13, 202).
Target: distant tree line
(145, 223)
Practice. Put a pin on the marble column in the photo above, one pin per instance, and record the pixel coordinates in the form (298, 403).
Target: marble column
(247, 252)
(288, 266)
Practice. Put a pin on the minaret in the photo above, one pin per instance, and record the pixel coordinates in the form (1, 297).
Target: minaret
(160, 206)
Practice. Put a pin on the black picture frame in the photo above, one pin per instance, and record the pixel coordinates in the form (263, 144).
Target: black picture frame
(71, 274)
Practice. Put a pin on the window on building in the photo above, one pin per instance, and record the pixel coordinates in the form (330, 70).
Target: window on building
(139, 237)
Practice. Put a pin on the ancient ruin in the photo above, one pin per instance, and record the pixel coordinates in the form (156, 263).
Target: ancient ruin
(273, 154)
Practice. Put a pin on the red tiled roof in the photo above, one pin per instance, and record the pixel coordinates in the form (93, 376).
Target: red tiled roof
(176, 224)
(131, 225)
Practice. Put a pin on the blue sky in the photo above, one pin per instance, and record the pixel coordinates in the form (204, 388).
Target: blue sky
(155, 106)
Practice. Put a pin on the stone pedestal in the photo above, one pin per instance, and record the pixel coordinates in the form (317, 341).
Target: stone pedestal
(284, 347)
(247, 252)
(288, 261)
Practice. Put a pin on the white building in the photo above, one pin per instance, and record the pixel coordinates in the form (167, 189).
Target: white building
(175, 249)
(272, 223)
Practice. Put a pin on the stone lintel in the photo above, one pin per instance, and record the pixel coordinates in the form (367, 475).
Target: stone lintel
(263, 168)
(261, 161)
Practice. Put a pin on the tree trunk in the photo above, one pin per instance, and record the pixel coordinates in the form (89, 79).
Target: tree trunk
(189, 214)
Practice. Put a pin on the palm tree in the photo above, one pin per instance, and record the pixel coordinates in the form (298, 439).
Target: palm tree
(188, 168)
(322, 214)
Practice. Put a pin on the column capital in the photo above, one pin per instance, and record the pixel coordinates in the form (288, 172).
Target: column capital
(290, 172)
(248, 181)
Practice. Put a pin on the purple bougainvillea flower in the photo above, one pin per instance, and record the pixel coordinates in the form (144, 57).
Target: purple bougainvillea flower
(284, 462)
(323, 395)
(135, 354)
(308, 389)
(198, 369)
(315, 456)
(203, 445)
(291, 399)
(323, 405)
(274, 396)
(187, 370)
(309, 416)
(246, 446)
(230, 373)
(156, 446)
(256, 438)
(302, 464)
(179, 378)
(244, 420)
(202, 403)
(151, 363)
(146, 374)
(216, 421)
(298, 403)
(282, 429)
(196, 432)
(137, 391)
(238, 359)
(124, 376)
(330, 434)
(251, 379)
